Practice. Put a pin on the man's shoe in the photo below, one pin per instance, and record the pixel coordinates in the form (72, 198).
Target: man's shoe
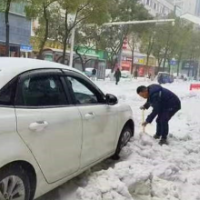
(163, 142)
(156, 136)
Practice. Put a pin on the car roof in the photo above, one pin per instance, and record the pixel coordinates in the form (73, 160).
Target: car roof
(11, 67)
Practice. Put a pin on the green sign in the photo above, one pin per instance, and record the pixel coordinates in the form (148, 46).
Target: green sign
(48, 57)
(92, 52)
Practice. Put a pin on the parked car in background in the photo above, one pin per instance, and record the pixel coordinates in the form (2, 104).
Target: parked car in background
(126, 74)
(55, 123)
(88, 72)
(164, 77)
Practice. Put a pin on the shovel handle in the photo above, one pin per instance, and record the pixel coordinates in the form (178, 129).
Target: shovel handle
(143, 116)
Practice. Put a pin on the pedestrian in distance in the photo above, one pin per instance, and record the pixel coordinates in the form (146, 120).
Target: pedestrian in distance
(165, 105)
(94, 72)
(135, 74)
(118, 76)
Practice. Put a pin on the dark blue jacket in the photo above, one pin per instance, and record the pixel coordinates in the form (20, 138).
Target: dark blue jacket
(162, 100)
(118, 75)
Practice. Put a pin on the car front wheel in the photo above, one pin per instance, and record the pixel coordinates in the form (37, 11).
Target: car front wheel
(14, 184)
(125, 137)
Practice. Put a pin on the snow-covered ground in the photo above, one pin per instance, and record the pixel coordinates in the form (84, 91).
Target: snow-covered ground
(146, 170)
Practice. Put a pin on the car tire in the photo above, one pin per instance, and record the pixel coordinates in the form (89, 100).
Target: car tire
(14, 183)
(124, 138)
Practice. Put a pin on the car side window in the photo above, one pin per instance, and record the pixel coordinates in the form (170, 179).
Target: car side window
(83, 94)
(42, 91)
(7, 93)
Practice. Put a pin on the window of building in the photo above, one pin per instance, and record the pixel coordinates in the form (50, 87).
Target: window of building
(155, 6)
(161, 9)
(158, 7)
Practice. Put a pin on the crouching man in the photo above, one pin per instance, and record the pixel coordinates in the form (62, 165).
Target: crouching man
(164, 103)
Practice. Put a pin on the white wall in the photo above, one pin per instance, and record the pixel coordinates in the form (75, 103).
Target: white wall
(189, 6)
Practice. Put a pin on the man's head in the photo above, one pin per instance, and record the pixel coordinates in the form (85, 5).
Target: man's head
(143, 91)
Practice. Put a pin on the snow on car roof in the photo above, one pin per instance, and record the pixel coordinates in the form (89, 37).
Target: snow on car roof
(11, 67)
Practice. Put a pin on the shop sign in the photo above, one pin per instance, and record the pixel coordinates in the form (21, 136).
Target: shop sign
(26, 48)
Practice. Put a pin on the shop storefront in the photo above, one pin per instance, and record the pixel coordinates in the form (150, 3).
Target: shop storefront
(2, 50)
(92, 58)
(139, 64)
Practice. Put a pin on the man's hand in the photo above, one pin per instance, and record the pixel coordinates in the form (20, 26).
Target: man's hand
(142, 108)
(144, 124)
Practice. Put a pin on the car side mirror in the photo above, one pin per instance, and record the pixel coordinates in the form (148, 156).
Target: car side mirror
(111, 99)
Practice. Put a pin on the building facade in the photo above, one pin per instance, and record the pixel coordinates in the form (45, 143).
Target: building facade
(187, 6)
(20, 31)
(197, 8)
(162, 8)
(158, 8)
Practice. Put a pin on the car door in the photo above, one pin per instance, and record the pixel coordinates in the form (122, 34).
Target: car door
(99, 119)
(48, 124)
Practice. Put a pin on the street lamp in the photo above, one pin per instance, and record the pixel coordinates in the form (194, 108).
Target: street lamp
(115, 24)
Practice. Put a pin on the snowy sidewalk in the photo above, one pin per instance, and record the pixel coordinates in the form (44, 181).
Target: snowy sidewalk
(146, 170)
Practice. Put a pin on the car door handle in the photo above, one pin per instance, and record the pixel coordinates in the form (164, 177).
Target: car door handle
(38, 126)
(89, 115)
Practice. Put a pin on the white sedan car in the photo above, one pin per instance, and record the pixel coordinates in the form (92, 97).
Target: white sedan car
(54, 124)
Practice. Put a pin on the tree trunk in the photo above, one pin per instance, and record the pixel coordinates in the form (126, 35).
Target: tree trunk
(113, 63)
(165, 58)
(81, 59)
(159, 63)
(150, 46)
(179, 61)
(169, 66)
(178, 68)
(147, 64)
(65, 38)
(132, 63)
(7, 28)
(166, 50)
(190, 65)
(43, 42)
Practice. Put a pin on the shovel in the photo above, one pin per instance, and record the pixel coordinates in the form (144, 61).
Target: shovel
(144, 137)
(143, 131)
(143, 119)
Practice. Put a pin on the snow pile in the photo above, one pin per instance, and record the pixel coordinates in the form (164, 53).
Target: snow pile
(104, 185)
(147, 171)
